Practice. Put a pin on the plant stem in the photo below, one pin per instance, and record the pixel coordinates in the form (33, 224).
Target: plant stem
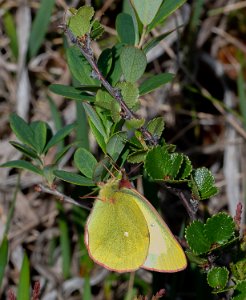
(126, 113)
(61, 196)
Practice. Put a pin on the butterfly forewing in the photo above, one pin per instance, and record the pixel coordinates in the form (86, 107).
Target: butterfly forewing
(117, 234)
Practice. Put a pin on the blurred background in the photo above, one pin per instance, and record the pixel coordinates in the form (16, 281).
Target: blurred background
(205, 113)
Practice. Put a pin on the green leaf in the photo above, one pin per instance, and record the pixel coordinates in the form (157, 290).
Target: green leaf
(104, 62)
(22, 130)
(4, 249)
(65, 241)
(60, 135)
(115, 72)
(196, 238)
(95, 120)
(40, 26)
(80, 22)
(155, 41)
(193, 258)
(202, 184)
(116, 144)
(59, 155)
(71, 92)
(73, 178)
(146, 9)
(40, 134)
(185, 169)
(96, 30)
(133, 63)
(125, 28)
(98, 136)
(22, 164)
(87, 295)
(80, 68)
(85, 162)
(161, 165)
(219, 228)
(156, 126)
(165, 10)
(133, 124)
(239, 269)
(154, 82)
(101, 173)
(27, 151)
(129, 92)
(10, 30)
(104, 99)
(217, 277)
(240, 291)
(137, 157)
(23, 292)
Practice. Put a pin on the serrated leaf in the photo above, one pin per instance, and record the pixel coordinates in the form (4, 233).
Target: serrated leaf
(27, 151)
(97, 30)
(104, 62)
(71, 92)
(166, 9)
(125, 28)
(133, 63)
(23, 292)
(154, 82)
(217, 277)
(80, 22)
(60, 135)
(39, 129)
(134, 123)
(116, 144)
(22, 130)
(202, 184)
(129, 92)
(137, 157)
(146, 9)
(85, 162)
(239, 269)
(240, 291)
(185, 169)
(156, 126)
(196, 238)
(80, 68)
(73, 178)
(22, 164)
(219, 228)
(161, 165)
(3, 257)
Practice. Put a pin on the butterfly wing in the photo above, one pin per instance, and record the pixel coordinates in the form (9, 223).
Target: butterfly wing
(117, 235)
(165, 254)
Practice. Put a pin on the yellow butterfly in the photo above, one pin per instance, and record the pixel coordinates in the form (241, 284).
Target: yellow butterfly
(124, 232)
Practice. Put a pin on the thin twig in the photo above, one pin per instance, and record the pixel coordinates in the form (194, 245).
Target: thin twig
(61, 196)
(126, 113)
(189, 203)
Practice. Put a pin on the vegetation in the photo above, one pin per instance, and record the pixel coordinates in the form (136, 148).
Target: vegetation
(110, 132)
